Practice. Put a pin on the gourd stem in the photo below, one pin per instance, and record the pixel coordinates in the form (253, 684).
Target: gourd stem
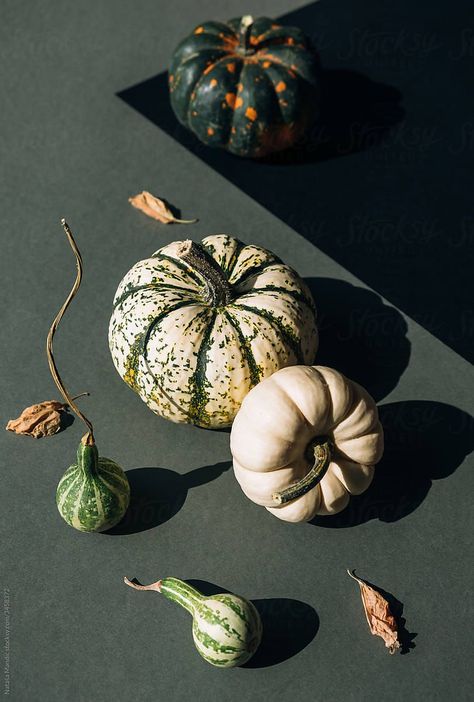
(218, 290)
(174, 589)
(89, 437)
(322, 459)
(136, 585)
(245, 29)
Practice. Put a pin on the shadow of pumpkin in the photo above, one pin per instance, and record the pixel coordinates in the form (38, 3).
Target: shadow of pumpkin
(157, 494)
(288, 626)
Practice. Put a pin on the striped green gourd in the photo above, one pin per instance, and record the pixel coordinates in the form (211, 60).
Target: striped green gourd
(94, 493)
(227, 629)
(196, 326)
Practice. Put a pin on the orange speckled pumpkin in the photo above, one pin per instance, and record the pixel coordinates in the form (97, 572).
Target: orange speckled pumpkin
(248, 86)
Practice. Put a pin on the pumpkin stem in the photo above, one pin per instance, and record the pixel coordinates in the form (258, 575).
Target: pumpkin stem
(49, 341)
(322, 459)
(218, 290)
(246, 24)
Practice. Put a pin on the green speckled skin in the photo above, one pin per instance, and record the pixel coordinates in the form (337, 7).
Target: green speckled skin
(250, 101)
(194, 361)
(227, 629)
(94, 493)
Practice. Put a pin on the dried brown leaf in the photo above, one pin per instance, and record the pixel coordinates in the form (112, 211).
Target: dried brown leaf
(43, 419)
(379, 617)
(156, 208)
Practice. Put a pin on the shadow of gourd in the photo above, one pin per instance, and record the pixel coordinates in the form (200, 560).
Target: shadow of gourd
(424, 441)
(360, 335)
(157, 494)
(288, 626)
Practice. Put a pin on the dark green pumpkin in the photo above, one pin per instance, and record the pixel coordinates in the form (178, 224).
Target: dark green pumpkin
(248, 86)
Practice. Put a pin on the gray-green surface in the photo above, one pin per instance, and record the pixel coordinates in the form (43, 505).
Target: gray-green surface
(71, 148)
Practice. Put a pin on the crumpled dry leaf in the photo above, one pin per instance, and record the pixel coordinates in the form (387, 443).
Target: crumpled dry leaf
(43, 419)
(156, 208)
(379, 617)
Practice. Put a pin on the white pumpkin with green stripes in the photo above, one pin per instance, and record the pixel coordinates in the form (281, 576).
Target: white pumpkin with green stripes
(227, 629)
(196, 326)
(94, 493)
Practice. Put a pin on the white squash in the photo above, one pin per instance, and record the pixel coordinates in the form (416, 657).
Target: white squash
(196, 326)
(304, 440)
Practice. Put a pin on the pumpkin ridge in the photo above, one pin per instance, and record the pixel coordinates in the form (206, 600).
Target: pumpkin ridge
(274, 59)
(218, 27)
(240, 62)
(290, 338)
(200, 396)
(350, 404)
(233, 260)
(157, 381)
(289, 400)
(295, 294)
(158, 318)
(264, 75)
(211, 249)
(256, 269)
(198, 53)
(330, 403)
(201, 78)
(138, 346)
(273, 82)
(179, 264)
(150, 286)
(253, 368)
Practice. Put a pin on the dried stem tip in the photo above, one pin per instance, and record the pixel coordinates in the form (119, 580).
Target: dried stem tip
(136, 585)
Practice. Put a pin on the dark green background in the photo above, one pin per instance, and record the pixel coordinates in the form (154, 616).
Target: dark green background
(71, 148)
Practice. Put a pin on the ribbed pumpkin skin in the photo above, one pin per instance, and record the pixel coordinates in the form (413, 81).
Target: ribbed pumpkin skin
(93, 500)
(192, 362)
(253, 104)
(280, 418)
(227, 629)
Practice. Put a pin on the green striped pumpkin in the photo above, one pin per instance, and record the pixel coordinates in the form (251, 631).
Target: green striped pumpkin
(196, 326)
(227, 629)
(94, 493)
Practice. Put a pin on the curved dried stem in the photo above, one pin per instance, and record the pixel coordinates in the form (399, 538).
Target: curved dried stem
(49, 341)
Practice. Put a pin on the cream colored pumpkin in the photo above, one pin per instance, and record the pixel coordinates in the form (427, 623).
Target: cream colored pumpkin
(304, 440)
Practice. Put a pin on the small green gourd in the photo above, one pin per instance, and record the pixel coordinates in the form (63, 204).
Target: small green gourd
(94, 493)
(227, 629)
